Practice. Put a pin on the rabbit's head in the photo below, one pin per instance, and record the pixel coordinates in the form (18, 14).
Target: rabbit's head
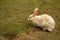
(32, 16)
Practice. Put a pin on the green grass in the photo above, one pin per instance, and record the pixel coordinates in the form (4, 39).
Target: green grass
(14, 14)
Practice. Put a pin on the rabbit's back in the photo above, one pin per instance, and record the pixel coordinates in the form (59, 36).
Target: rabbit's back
(46, 20)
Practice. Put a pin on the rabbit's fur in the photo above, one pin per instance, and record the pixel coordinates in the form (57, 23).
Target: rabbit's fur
(45, 21)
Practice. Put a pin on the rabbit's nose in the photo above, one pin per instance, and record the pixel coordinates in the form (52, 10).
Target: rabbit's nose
(29, 20)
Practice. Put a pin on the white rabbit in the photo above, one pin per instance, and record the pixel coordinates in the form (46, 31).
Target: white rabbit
(45, 21)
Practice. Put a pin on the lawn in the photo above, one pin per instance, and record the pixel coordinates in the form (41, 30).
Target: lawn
(14, 24)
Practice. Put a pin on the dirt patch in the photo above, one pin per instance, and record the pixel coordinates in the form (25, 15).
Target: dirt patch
(36, 34)
(8, 36)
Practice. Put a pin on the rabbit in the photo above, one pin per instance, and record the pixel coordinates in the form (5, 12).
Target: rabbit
(45, 21)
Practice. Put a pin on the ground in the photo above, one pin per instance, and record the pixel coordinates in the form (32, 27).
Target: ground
(14, 24)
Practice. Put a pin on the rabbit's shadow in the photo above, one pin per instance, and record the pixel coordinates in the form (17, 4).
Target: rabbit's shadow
(34, 26)
(37, 27)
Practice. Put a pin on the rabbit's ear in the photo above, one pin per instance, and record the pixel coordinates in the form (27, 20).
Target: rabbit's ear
(35, 12)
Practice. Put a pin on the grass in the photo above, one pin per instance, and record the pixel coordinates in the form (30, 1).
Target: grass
(14, 14)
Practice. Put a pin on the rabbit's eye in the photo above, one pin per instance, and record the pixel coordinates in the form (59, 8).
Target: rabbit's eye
(29, 17)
